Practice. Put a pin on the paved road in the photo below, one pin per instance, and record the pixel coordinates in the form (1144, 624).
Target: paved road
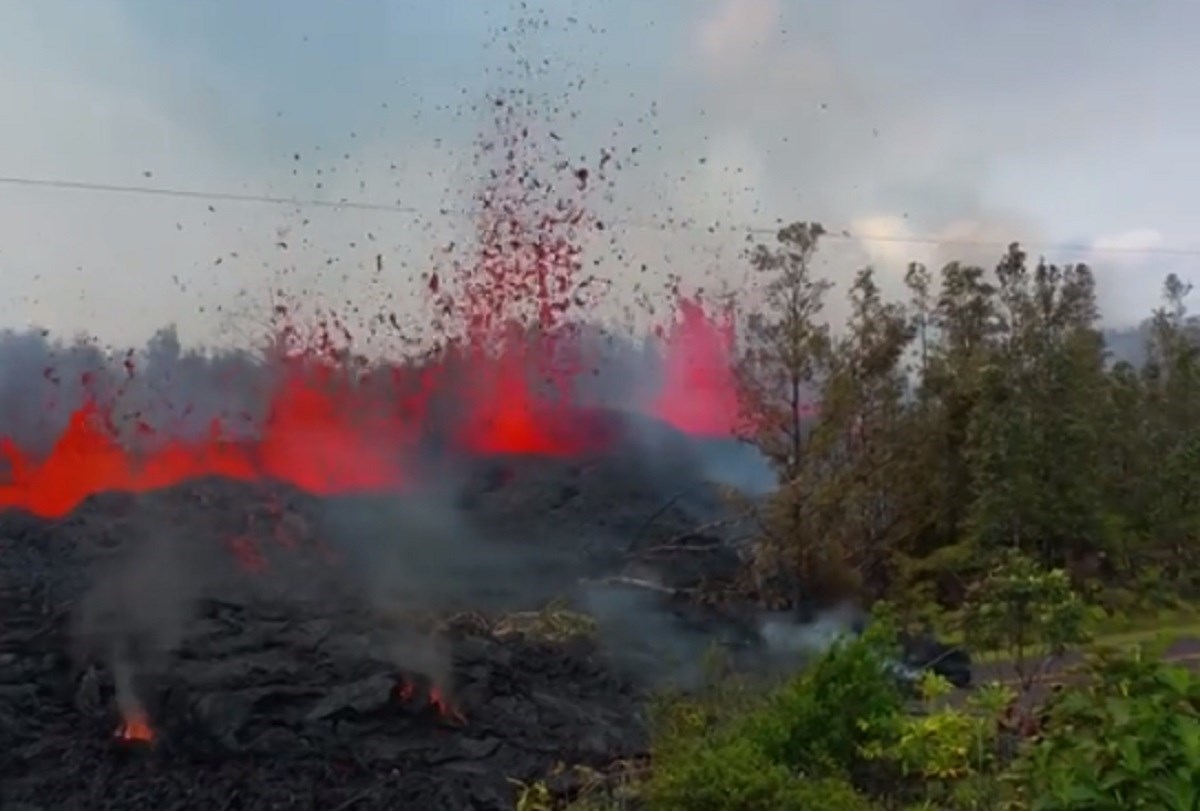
(1184, 651)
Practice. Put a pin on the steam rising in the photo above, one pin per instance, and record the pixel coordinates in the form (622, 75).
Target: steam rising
(139, 603)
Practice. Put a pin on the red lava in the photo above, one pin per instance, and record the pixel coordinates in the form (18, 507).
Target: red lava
(699, 394)
(327, 435)
(135, 729)
(406, 691)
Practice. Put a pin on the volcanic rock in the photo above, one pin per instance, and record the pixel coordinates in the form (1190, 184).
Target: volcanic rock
(294, 651)
(270, 701)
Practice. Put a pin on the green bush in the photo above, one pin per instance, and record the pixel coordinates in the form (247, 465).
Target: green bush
(1128, 739)
(717, 776)
(821, 722)
(791, 750)
(732, 773)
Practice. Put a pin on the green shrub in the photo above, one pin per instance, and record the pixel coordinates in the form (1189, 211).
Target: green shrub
(717, 776)
(821, 722)
(825, 794)
(732, 773)
(1128, 739)
(791, 749)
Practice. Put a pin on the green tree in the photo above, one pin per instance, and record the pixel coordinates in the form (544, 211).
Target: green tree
(1034, 440)
(787, 345)
(858, 461)
(787, 348)
(919, 439)
(959, 327)
(1172, 379)
(1028, 612)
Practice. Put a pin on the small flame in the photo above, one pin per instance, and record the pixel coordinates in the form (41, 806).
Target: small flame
(135, 728)
(406, 691)
(444, 708)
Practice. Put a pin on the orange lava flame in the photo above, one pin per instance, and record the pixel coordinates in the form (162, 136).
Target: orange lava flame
(406, 691)
(135, 729)
(444, 708)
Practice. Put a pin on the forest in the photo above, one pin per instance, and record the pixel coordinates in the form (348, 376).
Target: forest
(984, 414)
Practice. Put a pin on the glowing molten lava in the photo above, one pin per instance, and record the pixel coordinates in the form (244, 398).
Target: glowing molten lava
(699, 393)
(135, 729)
(406, 691)
(327, 434)
(444, 708)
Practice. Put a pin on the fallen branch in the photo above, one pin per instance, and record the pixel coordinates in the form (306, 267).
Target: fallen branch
(667, 549)
(677, 543)
(634, 582)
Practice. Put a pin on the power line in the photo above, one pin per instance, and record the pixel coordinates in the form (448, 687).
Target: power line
(672, 225)
(207, 196)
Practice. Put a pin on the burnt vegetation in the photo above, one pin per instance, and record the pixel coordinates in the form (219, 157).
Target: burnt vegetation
(969, 460)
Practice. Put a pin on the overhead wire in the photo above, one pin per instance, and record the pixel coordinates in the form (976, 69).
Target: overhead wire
(669, 225)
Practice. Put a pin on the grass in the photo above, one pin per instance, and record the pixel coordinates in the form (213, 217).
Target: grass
(1169, 626)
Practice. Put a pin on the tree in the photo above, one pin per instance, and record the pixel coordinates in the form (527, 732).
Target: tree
(1030, 613)
(786, 349)
(857, 448)
(959, 332)
(1172, 380)
(919, 440)
(1033, 440)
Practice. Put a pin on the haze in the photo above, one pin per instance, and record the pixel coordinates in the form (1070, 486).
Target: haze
(914, 128)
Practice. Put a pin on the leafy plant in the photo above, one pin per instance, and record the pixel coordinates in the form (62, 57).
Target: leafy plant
(535, 796)
(822, 721)
(791, 749)
(734, 775)
(730, 773)
(946, 750)
(1027, 611)
(1129, 739)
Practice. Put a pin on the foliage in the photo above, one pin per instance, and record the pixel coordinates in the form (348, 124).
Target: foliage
(946, 754)
(1128, 739)
(592, 790)
(944, 744)
(918, 439)
(792, 749)
(839, 736)
(534, 796)
(1022, 608)
(823, 719)
(732, 773)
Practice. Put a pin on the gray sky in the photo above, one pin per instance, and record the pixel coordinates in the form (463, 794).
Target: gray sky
(1071, 121)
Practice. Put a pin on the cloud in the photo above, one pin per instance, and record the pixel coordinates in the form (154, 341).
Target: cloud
(733, 31)
(779, 114)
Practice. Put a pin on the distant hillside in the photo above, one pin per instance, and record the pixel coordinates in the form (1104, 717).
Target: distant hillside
(1129, 344)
